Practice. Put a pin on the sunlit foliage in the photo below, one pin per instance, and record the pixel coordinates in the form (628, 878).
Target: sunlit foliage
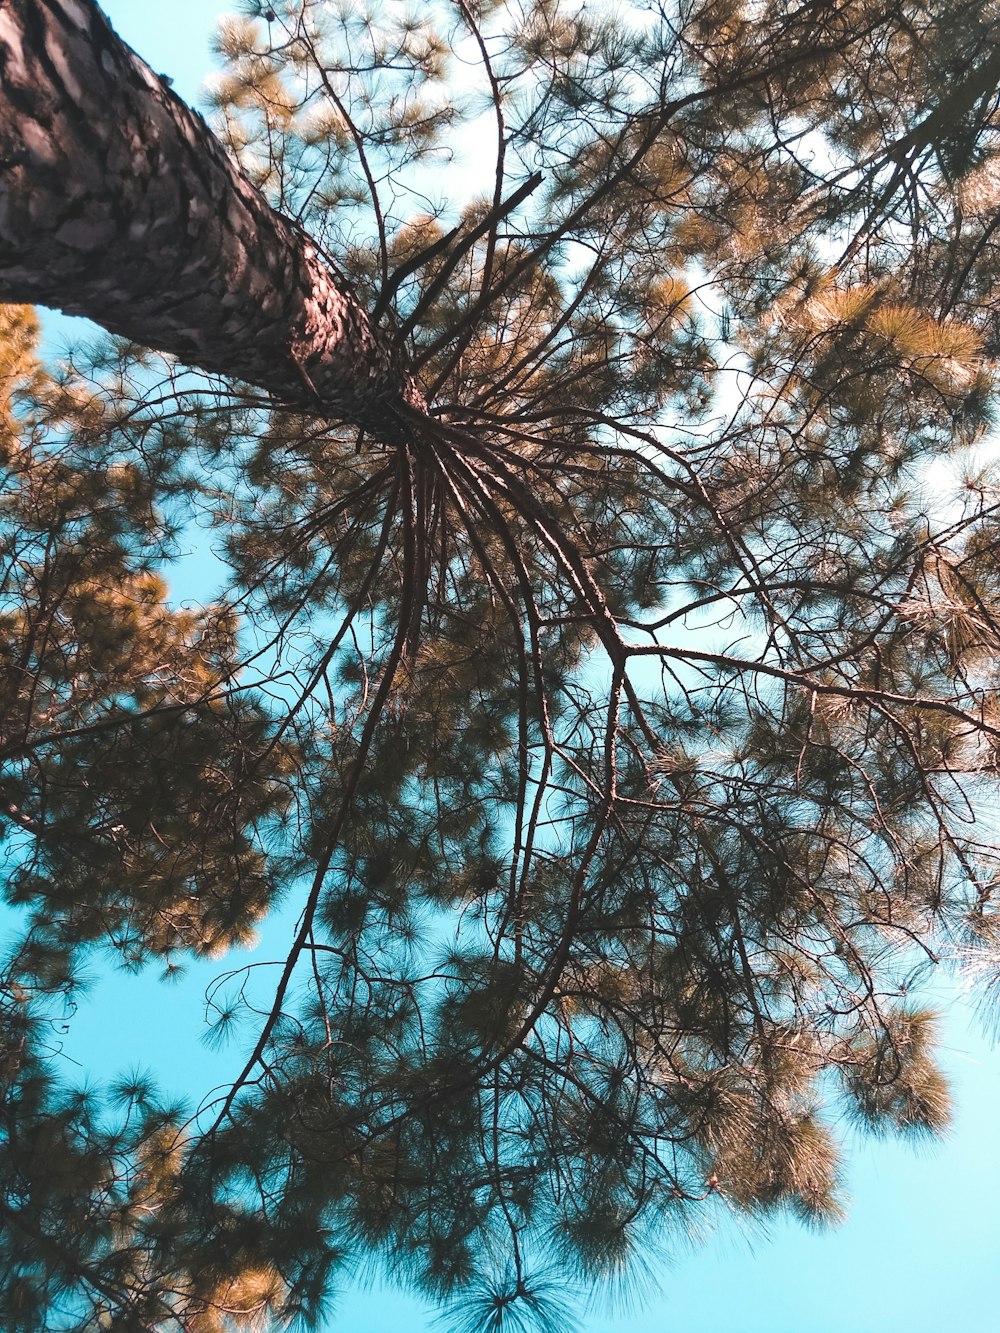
(625, 735)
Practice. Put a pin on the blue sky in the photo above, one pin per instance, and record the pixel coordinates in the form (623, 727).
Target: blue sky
(920, 1249)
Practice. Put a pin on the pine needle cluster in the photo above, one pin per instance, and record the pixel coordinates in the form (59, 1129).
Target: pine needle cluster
(623, 723)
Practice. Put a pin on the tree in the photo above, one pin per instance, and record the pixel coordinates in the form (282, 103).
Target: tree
(590, 669)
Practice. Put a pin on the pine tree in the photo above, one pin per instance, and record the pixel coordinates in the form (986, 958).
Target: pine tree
(593, 668)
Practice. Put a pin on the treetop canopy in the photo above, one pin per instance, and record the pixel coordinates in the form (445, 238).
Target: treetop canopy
(596, 664)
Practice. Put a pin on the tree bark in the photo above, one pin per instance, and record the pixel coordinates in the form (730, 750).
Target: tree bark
(117, 202)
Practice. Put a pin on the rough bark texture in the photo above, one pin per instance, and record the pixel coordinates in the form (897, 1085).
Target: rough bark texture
(118, 203)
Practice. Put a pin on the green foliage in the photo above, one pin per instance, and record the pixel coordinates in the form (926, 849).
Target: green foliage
(623, 734)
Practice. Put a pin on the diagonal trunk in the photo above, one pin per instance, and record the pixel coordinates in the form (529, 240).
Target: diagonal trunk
(118, 203)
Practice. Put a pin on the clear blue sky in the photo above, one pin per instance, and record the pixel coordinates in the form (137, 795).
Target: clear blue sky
(920, 1251)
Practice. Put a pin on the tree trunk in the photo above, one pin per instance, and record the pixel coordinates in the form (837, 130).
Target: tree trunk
(118, 203)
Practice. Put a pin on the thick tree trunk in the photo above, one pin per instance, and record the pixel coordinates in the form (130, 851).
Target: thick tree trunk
(117, 202)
